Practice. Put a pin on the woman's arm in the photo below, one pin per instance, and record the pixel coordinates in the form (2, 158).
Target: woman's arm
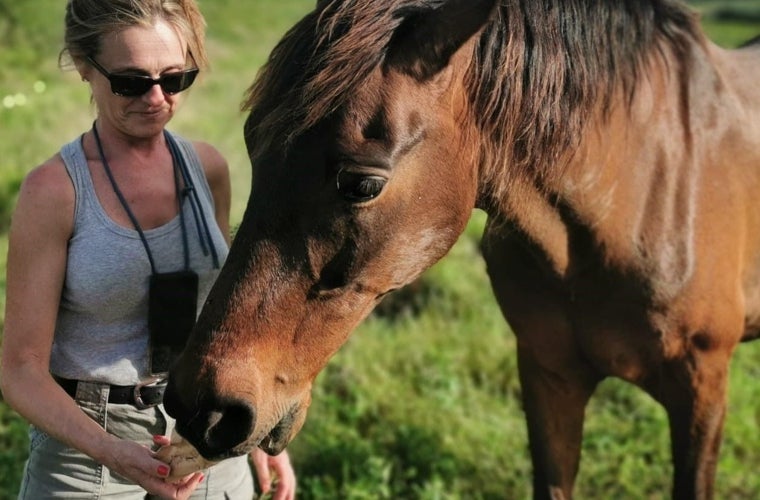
(41, 226)
(218, 176)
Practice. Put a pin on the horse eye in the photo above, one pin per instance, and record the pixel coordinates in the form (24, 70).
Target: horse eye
(359, 187)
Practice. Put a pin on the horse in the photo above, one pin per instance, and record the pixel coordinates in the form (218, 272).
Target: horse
(616, 152)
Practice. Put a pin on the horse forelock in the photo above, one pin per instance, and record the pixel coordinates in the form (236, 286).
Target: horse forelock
(319, 64)
(537, 73)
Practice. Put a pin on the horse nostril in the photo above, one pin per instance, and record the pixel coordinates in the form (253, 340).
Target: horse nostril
(217, 428)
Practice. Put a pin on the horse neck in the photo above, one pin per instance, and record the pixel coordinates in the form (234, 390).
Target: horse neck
(629, 192)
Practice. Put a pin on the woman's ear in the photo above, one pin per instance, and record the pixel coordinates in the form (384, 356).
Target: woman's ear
(83, 69)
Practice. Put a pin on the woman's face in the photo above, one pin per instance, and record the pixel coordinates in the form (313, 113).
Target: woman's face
(151, 51)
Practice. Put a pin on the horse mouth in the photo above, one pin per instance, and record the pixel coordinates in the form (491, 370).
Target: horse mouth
(227, 431)
(272, 444)
(279, 437)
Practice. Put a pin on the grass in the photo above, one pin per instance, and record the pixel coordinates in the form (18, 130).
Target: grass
(424, 405)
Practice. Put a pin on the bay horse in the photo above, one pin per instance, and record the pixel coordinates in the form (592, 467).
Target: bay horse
(616, 151)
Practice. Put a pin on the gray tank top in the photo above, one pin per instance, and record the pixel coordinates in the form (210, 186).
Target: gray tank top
(102, 329)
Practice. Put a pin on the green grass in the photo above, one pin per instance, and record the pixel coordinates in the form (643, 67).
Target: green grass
(425, 406)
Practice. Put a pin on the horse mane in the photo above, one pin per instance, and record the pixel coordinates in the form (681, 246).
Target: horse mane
(537, 72)
(318, 64)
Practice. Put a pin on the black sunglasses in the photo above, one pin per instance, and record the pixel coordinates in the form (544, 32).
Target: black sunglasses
(137, 85)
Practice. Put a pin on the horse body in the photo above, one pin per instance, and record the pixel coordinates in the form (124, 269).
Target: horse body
(627, 266)
(620, 189)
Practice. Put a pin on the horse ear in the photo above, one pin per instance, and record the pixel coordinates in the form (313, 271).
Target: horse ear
(425, 41)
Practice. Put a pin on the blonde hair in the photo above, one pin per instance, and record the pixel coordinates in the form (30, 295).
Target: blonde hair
(88, 21)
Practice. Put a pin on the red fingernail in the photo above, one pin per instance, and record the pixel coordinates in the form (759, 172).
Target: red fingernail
(163, 470)
(202, 478)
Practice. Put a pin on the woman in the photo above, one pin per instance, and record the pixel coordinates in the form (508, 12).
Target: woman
(119, 209)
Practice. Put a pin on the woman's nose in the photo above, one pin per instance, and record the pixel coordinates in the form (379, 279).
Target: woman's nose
(155, 95)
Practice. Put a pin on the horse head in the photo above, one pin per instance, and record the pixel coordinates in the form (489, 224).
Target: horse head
(364, 176)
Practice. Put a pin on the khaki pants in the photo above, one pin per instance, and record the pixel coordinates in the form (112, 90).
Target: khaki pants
(54, 470)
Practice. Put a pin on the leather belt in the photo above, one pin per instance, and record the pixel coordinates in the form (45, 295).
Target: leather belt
(143, 395)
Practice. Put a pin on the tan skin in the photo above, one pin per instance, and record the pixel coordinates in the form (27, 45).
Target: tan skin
(132, 133)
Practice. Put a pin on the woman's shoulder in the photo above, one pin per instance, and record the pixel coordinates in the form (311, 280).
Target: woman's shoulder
(209, 155)
(47, 174)
(214, 163)
(47, 191)
(50, 178)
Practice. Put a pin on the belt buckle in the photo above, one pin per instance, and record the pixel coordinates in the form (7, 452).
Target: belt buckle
(151, 381)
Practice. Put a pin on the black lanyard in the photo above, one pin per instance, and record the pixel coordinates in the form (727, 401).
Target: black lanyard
(178, 164)
(201, 224)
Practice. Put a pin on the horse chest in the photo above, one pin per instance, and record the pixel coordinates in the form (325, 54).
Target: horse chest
(602, 312)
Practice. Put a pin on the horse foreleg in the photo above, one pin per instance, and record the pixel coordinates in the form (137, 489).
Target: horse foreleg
(554, 402)
(693, 392)
(556, 382)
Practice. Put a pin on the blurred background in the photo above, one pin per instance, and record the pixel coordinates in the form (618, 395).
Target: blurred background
(423, 401)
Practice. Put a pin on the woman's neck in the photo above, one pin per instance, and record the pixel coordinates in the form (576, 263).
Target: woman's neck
(118, 144)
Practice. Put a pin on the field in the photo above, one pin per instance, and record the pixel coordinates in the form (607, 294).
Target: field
(423, 401)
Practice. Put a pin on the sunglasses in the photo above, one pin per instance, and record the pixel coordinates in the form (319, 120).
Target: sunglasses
(137, 85)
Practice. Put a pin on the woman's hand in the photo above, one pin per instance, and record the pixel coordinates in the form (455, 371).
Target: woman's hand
(139, 464)
(284, 481)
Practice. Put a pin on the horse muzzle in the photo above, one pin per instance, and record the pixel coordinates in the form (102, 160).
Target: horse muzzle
(217, 427)
(220, 428)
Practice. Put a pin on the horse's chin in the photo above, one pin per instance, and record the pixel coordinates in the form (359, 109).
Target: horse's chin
(273, 444)
(284, 431)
